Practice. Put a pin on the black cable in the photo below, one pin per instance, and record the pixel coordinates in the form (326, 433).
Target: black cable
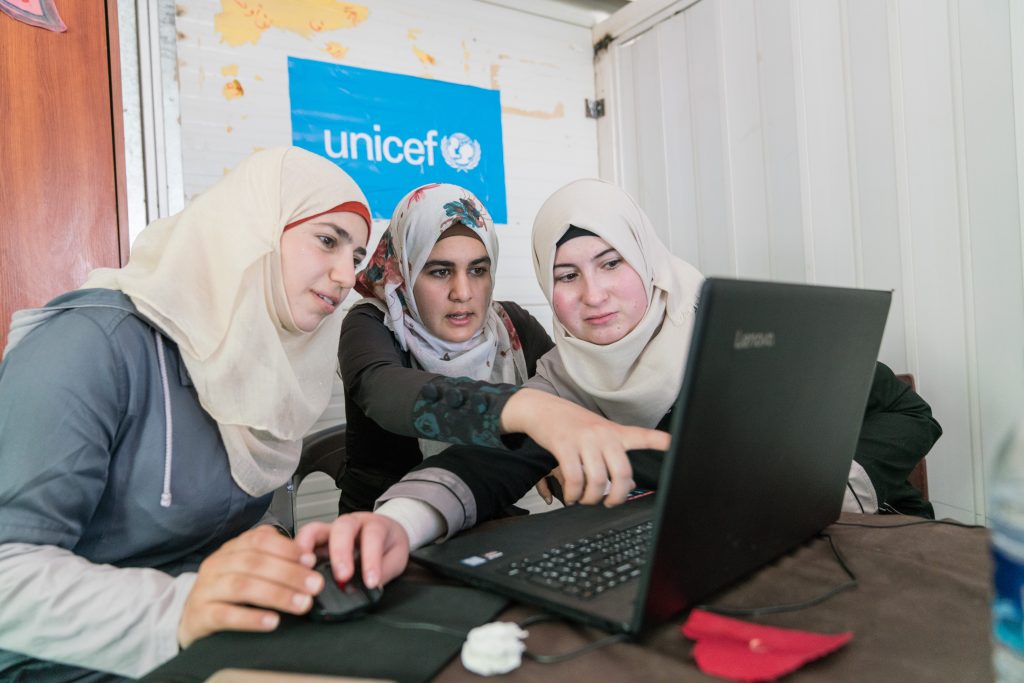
(948, 522)
(535, 619)
(778, 609)
(554, 659)
(855, 496)
(420, 625)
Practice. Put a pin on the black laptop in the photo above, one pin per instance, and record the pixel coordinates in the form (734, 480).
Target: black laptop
(763, 433)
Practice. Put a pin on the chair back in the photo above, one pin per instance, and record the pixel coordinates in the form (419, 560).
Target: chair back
(323, 451)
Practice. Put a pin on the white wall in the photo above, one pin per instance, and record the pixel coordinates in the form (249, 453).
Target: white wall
(869, 143)
(542, 67)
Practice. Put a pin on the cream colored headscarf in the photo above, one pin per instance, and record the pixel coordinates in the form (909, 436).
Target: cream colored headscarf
(635, 380)
(210, 278)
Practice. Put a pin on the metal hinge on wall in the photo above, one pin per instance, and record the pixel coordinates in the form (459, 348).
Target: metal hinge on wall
(594, 108)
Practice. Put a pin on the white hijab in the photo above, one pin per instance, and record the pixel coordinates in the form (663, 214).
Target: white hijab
(210, 278)
(494, 354)
(636, 379)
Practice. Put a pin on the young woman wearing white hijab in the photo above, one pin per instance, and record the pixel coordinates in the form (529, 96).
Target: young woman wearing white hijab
(595, 252)
(146, 418)
(623, 304)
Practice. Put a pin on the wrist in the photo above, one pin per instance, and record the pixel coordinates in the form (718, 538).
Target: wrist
(177, 615)
(419, 521)
(515, 416)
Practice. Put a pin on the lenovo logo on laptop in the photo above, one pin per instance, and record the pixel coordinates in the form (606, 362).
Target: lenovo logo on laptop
(753, 340)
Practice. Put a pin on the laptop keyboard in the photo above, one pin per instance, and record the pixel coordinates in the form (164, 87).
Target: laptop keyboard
(589, 566)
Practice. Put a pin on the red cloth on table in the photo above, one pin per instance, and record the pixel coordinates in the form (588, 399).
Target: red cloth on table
(741, 651)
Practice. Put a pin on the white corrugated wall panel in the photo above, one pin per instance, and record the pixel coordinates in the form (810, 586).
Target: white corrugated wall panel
(683, 236)
(928, 132)
(875, 165)
(871, 143)
(704, 73)
(992, 216)
(747, 201)
(784, 194)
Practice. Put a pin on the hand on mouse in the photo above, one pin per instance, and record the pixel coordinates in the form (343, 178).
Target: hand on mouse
(258, 569)
(383, 546)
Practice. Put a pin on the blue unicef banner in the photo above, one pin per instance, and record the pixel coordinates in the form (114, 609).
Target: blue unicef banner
(392, 133)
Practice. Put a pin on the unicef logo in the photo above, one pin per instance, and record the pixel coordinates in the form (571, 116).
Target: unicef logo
(460, 151)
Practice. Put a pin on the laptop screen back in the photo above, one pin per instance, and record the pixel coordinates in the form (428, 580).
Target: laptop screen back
(765, 429)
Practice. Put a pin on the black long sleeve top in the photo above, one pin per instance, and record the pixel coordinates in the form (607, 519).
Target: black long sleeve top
(389, 404)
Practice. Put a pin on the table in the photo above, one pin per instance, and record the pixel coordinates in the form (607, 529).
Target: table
(919, 613)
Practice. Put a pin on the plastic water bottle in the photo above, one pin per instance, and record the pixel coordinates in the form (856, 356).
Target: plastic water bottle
(1006, 516)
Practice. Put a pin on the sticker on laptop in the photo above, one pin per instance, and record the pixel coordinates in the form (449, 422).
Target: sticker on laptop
(638, 493)
(476, 560)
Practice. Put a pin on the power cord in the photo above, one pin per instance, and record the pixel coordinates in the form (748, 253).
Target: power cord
(419, 625)
(554, 659)
(855, 496)
(852, 583)
(947, 522)
(529, 621)
(794, 607)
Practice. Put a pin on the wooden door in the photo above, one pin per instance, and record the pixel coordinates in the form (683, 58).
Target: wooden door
(61, 155)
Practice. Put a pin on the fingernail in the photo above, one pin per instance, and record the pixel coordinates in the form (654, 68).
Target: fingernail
(308, 559)
(547, 499)
(371, 579)
(270, 621)
(302, 601)
(314, 582)
(339, 568)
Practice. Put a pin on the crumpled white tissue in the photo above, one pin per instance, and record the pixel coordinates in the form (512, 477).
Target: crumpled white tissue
(494, 648)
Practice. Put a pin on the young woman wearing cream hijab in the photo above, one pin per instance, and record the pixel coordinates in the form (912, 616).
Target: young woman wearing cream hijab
(623, 304)
(595, 252)
(146, 418)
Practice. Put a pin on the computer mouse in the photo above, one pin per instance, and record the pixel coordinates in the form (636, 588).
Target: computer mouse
(555, 487)
(341, 602)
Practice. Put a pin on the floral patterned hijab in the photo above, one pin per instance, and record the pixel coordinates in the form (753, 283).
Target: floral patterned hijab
(494, 354)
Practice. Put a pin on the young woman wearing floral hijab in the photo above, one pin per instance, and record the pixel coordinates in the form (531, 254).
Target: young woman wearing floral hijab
(146, 418)
(428, 328)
